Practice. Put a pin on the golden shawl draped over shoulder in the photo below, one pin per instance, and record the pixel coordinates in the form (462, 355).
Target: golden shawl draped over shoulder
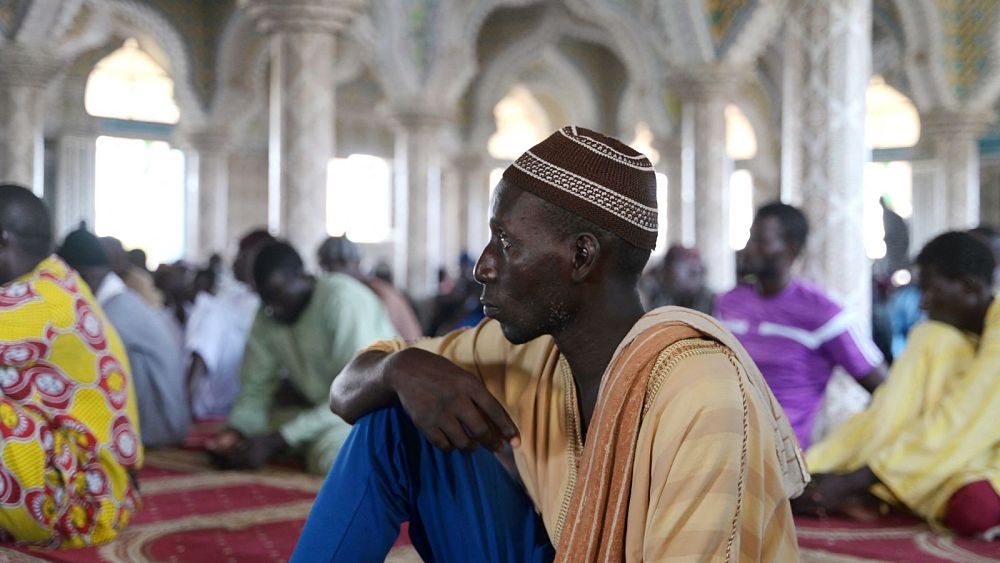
(595, 527)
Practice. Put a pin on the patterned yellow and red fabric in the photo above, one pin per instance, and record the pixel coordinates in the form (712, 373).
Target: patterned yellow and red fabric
(68, 419)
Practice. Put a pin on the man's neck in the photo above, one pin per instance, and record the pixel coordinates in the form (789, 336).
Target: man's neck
(773, 284)
(589, 343)
(18, 266)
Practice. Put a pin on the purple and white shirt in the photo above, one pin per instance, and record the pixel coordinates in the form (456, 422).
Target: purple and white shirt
(796, 338)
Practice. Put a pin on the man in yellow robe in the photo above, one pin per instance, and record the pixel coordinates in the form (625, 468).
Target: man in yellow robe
(930, 438)
(634, 436)
(69, 437)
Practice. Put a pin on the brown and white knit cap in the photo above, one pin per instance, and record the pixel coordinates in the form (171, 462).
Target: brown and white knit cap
(596, 177)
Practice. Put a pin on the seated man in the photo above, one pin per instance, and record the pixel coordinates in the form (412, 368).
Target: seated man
(634, 436)
(930, 439)
(680, 280)
(308, 329)
(69, 434)
(340, 254)
(793, 331)
(154, 353)
(216, 334)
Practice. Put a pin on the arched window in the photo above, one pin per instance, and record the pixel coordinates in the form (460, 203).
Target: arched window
(128, 84)
(741, 141)
(358, 194)
(892, 125)
(139, 184)
(521, 123)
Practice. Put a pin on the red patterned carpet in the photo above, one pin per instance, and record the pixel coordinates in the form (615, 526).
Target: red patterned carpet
(194, 514)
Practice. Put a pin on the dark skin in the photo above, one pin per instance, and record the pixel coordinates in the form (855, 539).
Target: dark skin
(769, 257)
(285, 295)
(961, 302)
(536, 281)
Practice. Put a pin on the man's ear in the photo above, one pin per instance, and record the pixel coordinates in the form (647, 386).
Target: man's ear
(587, 250)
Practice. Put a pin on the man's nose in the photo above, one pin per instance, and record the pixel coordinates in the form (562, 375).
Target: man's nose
(484, 271)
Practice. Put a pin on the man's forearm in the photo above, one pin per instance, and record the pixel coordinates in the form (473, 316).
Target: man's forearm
(362, 387)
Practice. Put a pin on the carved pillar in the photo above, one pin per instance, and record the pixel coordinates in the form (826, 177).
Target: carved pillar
(953, 137)
(417, 207)
(828, 44)
(208, 189)
(706, 92)
(989, 191)
(24, 74)
(680, 193)
(74, 198)
(302, 42)
(472, 189)
(929, 205)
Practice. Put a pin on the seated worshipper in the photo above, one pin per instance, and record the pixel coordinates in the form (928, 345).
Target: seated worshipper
(568, 416)
(216, 334)
(154, 353)
(792, 330)
(137, 278)
(930, 439)
(680, 280)
(308, 328)
(69, 432)
(340, 254)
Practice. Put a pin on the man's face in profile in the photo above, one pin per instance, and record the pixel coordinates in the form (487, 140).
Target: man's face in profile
(522, 267)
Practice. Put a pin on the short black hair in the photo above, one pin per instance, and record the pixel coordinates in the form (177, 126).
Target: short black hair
(957, 254)
(25, 218)
(794, 225)
(629, 260)
(276, 257)
(339, 250)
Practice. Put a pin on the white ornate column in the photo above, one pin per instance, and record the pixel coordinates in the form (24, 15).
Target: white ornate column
(24, 73)
(829, 48)
(75, 179)
(417, 202)
(301, 115)
(472, 192)
(989, 190)
(680, 193)
(706, 91)
(953, 137)
(208, 205)
(929, 217)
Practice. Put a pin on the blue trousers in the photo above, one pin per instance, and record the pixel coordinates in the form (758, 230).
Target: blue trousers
(461, 506)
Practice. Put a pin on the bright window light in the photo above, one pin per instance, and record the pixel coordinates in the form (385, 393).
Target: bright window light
(740, 208)
(643, 142)
(128, 84)
(891, 119)
(358, 204)
(662, 185)
(139, 196)
(894, 180)
(521, 124)
(741, 141)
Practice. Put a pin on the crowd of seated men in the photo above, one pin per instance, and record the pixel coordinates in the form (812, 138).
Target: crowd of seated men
(101, 358)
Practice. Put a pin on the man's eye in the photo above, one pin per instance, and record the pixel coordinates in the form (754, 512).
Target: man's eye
(504, 241)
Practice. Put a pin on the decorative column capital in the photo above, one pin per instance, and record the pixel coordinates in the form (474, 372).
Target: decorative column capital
(24, 66)
(418, 117)
(326, 16)
(970, 123)
(707, 81)
(214, 140)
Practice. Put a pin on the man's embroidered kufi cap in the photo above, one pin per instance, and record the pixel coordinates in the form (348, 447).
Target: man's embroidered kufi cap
(596, 177)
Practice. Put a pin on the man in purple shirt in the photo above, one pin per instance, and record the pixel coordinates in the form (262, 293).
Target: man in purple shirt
(792, 330)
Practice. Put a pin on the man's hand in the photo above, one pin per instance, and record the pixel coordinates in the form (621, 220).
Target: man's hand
(828, 493)
(448, 404)
(230, 450)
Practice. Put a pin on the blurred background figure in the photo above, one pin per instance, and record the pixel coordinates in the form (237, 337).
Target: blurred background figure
(341, 255)
(679, 280)
(153, 349)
